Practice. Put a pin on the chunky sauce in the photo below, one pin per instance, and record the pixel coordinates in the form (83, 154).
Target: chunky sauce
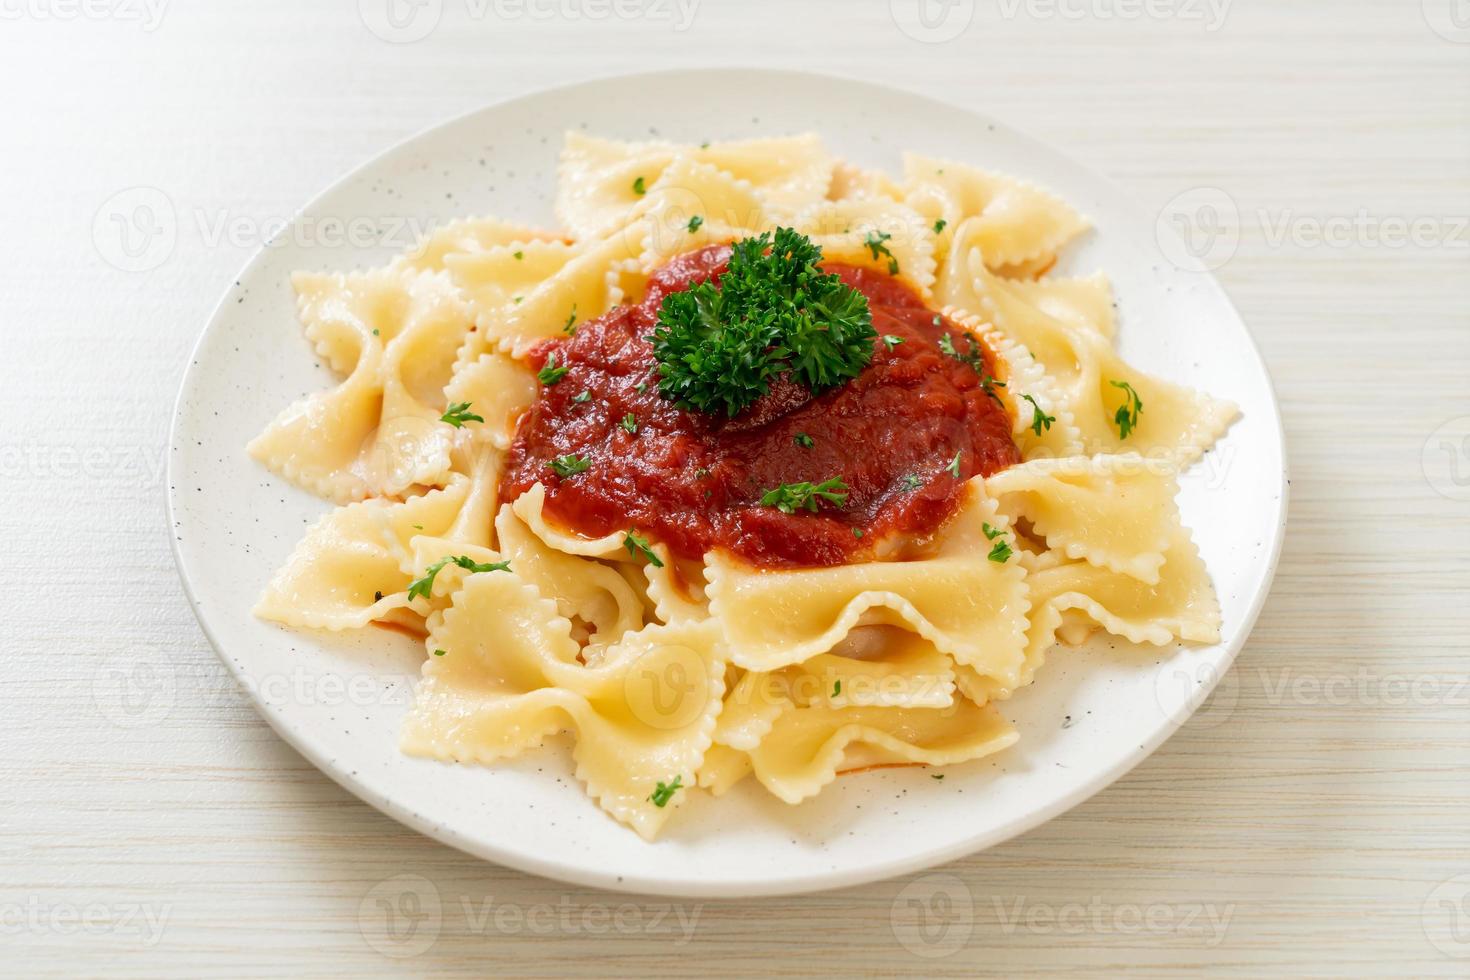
(694, 481)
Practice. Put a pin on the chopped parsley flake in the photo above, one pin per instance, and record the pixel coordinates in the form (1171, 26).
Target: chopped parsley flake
(570, 465)
(519, 254)
(788, 498)
(639, 187)
(694, 224)
(1000, 553)
(911, 482)
(836, 688)
(630, 424)
(954, 466)
(665, 791)
(939, 227)
(638, 545)
(857, 532)
(936, 775)
(570, 327)
(438, 653)
(585, 396)
(424, 586)
(1126, 418)
(803, 440)
(875, 242)
(1039, 419)
(458, 414)
(552, 372)
(890, 341)
(991, 533)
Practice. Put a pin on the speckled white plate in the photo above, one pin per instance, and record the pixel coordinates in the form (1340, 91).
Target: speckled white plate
(1094, 712)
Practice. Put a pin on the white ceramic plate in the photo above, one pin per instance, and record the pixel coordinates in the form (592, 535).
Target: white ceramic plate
(1093, 713)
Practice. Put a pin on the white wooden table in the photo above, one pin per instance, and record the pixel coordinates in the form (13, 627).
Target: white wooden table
(1315, 819)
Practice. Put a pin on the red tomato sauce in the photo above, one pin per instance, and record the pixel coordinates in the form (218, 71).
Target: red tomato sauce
(694, 481)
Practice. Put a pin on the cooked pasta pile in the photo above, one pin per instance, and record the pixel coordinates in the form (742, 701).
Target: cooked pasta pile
(674, 677)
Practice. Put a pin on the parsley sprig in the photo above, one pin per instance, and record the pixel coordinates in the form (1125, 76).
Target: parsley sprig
(664, 792)
(637, 545)
(458, 413)
(569, 465)
(1039, 419)
(1126, 418)
(875, 243)
(788, 498)
(424, 586)
(719, 348)
(552, 372)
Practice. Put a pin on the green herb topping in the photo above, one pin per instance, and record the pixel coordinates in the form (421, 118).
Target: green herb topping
(424, 586)
(630, 424)
(890, 341)
(570, 465)
(1126, 418)
(875, 242)
(638, 545)
(551, 373)
(939, 227)
(911, 482)
(570, 327)
(665, 791)
(954, 466)
(694, 224)
(803, 440)
(639, 187)
(1039, 419)
(458, 414)
(788, 498)
(719, 348)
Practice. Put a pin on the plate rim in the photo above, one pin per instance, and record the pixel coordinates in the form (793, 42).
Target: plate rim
(582, 874)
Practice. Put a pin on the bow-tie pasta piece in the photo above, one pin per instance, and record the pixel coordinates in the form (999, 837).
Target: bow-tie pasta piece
(355, 564)
(468, 235)
(379, 431)
(602, 184)
(528, 507)
(1117, 512)
(693, 205)
(585, 591)
(496, 388)
(1017, 223)
(967, 605)
(873, 232)
(808, 747)
(509, 677)
(497, 279)
(851, 183)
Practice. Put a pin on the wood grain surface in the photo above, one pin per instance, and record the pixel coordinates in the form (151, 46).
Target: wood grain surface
(1313, 820)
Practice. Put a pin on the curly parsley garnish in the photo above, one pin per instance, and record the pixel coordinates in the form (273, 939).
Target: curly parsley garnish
(1126, 418)
(774, 311)
(552, 372)
(570, 465)
(665, 791)
(458, 413)
(788, 498)
(424, 586)
(875, 242)
(638, 545)
(1039, 419)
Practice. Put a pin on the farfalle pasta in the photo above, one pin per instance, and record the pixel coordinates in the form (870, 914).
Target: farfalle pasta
(761, 468)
